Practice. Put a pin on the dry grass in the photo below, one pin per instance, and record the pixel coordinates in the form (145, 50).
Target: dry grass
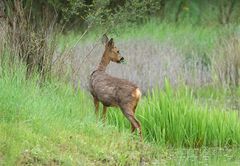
(149, 62)
(227, 61)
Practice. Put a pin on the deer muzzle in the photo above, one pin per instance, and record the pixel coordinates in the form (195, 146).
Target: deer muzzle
(121, 60)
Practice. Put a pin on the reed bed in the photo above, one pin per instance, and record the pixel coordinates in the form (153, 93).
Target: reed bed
(175, 117)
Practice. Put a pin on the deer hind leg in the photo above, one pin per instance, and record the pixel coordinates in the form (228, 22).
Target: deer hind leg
(134, 122)
(133, 128)
(135, 125)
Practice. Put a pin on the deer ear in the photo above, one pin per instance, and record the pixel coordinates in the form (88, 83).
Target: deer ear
(111, 43)
(105, 39)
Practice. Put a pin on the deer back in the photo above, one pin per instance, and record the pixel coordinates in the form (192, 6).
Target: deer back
(111, 91)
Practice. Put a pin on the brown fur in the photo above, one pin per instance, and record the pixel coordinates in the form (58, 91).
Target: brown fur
(112, 91)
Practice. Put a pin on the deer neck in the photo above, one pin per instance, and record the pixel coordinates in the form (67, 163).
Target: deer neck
(104, 62)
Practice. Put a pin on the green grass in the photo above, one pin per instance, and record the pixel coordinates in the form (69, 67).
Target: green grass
(54, 124)
(186, 37)
(175, 117)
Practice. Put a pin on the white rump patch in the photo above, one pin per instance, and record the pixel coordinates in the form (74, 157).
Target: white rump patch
(137, 93)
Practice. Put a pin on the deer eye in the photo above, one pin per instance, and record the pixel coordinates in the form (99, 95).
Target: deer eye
(118, 51)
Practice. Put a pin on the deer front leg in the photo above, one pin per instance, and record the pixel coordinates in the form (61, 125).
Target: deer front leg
(96, 104)
(104, 113)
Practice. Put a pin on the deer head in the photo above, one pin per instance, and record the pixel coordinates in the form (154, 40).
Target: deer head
(111, 51)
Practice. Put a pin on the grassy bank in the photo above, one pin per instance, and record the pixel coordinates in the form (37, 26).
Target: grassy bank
(187, 117)
(54, 124)
(185, 58)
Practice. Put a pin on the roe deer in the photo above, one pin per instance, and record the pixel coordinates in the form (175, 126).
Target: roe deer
(112, 91)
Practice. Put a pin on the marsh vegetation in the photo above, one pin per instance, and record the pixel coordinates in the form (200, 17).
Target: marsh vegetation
(187, 65)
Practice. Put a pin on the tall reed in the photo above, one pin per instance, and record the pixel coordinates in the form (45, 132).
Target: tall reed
(173, 117)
